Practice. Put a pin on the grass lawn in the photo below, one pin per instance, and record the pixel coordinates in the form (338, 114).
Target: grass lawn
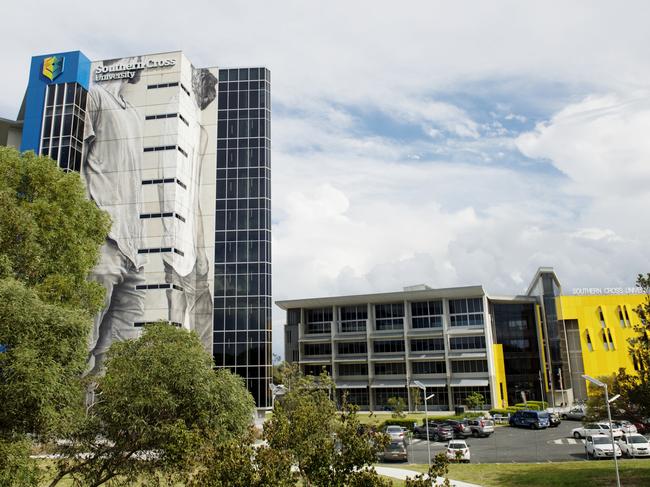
(634, 473)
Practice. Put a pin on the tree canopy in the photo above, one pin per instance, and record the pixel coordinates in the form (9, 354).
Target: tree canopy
(159, 401)
(50, 234)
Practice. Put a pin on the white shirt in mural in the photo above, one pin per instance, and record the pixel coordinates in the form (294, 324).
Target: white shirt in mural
(113, 135)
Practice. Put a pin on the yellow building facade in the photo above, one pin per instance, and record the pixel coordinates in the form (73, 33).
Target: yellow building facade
(605, 324)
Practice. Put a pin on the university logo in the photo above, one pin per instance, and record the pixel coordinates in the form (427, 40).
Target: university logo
(52, 67)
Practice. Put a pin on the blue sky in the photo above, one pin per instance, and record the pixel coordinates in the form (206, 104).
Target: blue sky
(448, 143)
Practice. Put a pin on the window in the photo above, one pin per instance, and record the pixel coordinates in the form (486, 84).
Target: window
(611, 341)
(461, 393)
(163, 181)
(601, 317)
(621, 318)
(161, 250)
(353, 319)
(426, 314)
(590, 346)
(389, 316)
(346, 370)
(388, 346)
(466, 312)
(435, 367)
(627, 317)
(140, 324)
(158, 148)
(392, 368)
(162, 85)
(427, 345)
(469, 366)
(467, 343)
(605, 342)
(159, 286)
(352, 348)
(317, 349)
(63, 124)
(169, 214)
(312, 369)
(318, 320)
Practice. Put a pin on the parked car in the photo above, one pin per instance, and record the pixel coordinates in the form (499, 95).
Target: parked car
(440, 432)
(481, 427)
(600, 446)
(591, 429)
(576, 413)
(643, 426)
(458, 451)
(395, 450)
(461, 428)
(554, 420)
(396, 433)
(634, 445)
(530, 419)
(421, 432)
(625, 426)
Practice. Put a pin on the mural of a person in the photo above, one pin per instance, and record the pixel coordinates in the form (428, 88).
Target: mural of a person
(111, 169)
(193, 304)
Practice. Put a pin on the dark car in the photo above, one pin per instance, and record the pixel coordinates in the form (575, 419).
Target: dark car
(461, 428)
(421, 432)
(554, 420)
(441, 432)
(530, 419)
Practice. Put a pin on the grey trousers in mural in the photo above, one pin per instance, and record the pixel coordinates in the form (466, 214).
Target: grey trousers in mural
(123, 303)
(195, 299)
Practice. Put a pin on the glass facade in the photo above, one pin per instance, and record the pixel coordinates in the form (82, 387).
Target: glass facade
(516, 330)
(63, 124)
(242, 301)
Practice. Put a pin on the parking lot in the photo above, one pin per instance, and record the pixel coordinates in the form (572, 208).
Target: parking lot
(516, 445)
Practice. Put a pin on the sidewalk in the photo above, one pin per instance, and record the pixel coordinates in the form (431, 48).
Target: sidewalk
(402, 473)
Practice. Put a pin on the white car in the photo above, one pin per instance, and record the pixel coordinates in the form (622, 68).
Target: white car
(634, 445)
(591, 429)
(600, 446)
(458, 451)
(625, 426)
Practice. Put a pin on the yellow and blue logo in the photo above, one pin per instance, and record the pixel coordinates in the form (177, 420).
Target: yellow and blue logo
(52, 67)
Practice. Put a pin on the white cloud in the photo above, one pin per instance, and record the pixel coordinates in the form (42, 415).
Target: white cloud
(354, 209)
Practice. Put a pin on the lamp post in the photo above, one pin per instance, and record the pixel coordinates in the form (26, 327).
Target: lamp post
(420, 385)
(598, 383)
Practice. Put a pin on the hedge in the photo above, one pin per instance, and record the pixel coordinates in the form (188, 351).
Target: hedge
(409, 423)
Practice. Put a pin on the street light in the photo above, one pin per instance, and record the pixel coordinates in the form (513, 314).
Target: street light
(426, 415)
(598, 383)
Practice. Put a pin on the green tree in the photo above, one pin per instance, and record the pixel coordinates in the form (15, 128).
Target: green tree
(50, 235)
(639, 348)
(159, 401)
(50, 232)
(474, 400)
(328, 449)
(398, 405)
(416, 397)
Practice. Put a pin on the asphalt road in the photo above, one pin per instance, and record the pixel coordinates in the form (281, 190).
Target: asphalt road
(513, 445)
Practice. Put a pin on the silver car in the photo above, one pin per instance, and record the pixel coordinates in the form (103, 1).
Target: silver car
(396, 433)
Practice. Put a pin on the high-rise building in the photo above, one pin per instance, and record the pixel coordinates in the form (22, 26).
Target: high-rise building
(180, 158)
(459, 341)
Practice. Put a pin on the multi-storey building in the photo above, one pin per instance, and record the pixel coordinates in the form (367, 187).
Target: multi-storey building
(179, 157)
(457, 341)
